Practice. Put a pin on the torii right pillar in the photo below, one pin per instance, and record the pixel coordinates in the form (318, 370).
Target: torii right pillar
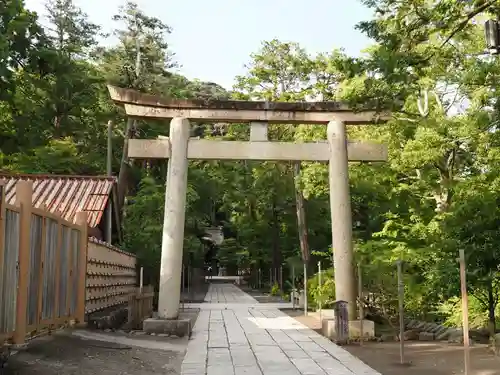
(340, 210)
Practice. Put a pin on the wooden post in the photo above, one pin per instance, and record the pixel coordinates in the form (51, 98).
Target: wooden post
(58, 265)
(305, 289)
(81, 220)
(401, 294)
(40, 275)
(465, 311)
(188, 280)
(109, 173)
(320, 294)
(2, 226)
(141, 280)
(294, 292)
(69, 274)
(256, 280)
(281, 278)
(361, 307)
(24, 193)
(182, 287)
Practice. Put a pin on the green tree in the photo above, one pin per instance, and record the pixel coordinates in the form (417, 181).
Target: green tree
(71, 88)
(21, 44)
(425, 67)
(141, 61)
(281, 72)
(473, 227)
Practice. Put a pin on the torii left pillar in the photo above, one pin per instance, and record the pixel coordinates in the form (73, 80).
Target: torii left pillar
(173, 221)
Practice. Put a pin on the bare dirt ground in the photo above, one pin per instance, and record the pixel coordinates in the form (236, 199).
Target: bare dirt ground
(426, 358)
(66, 354)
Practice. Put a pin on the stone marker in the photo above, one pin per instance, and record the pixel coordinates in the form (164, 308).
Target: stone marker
(411, 335)
(426, 336)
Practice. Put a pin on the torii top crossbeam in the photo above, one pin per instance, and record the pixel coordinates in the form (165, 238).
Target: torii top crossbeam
(137, 104)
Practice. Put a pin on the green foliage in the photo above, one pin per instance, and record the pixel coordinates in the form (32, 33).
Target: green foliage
(143, 224)
(232, 256)
(22, 44)
(275, 289)
(59, 156)
(452, 311)
(324, 294)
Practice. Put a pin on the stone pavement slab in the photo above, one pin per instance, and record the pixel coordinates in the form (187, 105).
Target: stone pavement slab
(235, 335)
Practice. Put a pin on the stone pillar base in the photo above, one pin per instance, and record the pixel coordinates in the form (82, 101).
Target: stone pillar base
(324, 314)
(328, 329)
(182, 326)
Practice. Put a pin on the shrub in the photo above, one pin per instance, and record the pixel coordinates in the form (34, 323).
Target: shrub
(478, 315)
(275, 290)
(324, 294)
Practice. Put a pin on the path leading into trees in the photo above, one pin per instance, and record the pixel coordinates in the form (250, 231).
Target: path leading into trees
(235, 335)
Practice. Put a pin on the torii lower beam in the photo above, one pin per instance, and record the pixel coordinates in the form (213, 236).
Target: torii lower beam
(236, 150)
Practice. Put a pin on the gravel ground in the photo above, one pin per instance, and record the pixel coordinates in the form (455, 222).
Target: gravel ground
(66, 354)
(426, 358)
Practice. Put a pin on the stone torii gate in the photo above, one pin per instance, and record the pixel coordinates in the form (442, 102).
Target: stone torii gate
(179, 148)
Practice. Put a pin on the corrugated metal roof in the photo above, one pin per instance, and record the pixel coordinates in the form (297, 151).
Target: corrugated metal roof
(65, 195)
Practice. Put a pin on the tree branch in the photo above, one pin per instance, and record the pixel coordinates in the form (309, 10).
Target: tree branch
(442, 171)
(438, 101)
(423, 108)
(468, 17)
(461, 26)
(452, 102)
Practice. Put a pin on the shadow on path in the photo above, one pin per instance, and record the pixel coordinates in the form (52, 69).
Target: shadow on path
(64, 354)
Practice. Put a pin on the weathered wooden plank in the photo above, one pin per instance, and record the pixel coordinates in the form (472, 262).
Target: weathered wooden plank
(129, 96)
(241, 150)
(238, 116)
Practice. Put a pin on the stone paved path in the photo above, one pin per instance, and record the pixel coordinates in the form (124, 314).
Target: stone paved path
(235, 335)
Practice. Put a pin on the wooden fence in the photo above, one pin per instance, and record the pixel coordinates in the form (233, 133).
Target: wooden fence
(42, 268)
(140, 306)
(111, 276)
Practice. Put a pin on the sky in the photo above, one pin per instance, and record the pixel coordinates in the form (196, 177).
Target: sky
(213, 39)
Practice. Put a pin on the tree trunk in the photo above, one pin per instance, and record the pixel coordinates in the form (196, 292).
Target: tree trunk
(250, 197)
(276, 259)
(123, 175)
(301, 216)
(491, 309)
(130, 130)
(57, 125)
